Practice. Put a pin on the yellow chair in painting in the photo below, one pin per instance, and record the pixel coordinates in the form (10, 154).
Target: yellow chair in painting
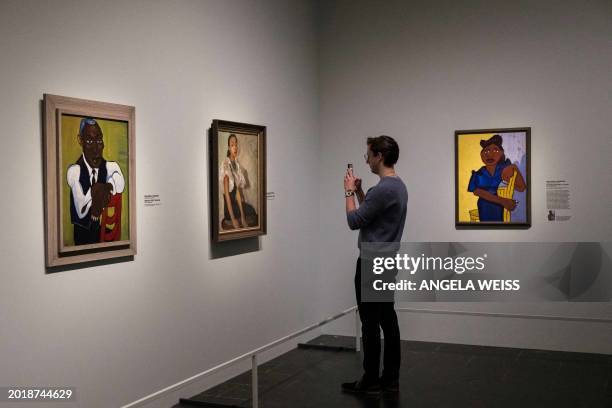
(507, 192)
(504, 192)
(474, 216)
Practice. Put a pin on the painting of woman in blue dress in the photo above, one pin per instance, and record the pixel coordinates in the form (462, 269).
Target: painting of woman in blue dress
(496, 172)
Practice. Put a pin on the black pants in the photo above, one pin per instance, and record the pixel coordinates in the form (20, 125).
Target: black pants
(374, 316)
(83, 236)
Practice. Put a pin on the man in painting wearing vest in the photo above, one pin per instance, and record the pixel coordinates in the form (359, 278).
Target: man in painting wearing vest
(92, 181)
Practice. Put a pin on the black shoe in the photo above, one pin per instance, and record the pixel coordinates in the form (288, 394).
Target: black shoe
(362, 387)
(389, 385)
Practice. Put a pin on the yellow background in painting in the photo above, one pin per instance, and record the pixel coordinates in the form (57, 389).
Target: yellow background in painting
(468, 160)
(115, 136)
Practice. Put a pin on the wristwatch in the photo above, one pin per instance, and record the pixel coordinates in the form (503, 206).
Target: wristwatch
(348, 193)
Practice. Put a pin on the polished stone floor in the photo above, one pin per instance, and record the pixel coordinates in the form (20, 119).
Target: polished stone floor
(432, 375)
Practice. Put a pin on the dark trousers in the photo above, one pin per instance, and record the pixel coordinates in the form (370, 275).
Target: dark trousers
(83, 236)
(374, 316)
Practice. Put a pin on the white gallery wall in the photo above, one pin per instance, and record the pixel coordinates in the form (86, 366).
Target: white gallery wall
(322, 76)
(120, 331)
(418, 71)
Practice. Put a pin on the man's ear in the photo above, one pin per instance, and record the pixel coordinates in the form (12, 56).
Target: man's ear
(79, 139)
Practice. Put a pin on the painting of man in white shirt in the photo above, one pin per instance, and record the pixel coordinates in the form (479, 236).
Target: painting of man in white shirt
(92, 180)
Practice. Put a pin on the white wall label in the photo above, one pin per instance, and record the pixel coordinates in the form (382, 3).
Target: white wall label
(558, 200)
(152, 200)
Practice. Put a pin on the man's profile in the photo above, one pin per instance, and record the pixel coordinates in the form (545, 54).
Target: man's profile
(92, 181)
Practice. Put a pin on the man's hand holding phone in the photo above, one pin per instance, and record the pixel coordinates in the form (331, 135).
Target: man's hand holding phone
(350, 181)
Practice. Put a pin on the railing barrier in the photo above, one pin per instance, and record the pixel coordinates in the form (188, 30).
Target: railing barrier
(254, 353)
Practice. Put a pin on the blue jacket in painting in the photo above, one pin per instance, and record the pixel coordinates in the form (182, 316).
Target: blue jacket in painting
(488, 211)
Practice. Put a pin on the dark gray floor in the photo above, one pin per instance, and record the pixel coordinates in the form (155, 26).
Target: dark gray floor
(432, 375)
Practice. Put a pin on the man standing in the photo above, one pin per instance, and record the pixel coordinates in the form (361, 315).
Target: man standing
(380, 218)
(92, 181)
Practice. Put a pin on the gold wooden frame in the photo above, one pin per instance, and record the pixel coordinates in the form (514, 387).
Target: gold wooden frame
(56, 253)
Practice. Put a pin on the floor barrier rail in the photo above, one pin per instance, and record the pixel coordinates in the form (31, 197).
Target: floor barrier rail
(252, 355)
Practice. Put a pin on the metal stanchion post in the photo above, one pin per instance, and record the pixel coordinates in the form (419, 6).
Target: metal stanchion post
(254, 385)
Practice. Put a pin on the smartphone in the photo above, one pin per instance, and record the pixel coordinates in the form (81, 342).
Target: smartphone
(349, 166)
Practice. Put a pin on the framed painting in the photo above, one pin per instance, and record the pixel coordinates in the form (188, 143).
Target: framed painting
(238, 180)
(90, 205)
(492, 178)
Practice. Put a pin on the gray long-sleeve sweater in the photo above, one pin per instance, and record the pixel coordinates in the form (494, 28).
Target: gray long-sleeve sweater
(382, 214)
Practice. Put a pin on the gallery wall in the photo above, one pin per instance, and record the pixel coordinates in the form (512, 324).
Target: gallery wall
(322, 76)
(418, 71)
(120, 331)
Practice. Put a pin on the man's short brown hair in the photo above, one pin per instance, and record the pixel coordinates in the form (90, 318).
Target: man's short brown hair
(385, 145)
